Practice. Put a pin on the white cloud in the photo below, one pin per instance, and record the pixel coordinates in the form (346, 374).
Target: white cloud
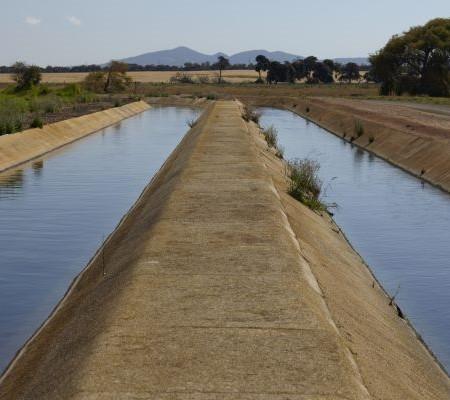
(74, 20)
(32, 20)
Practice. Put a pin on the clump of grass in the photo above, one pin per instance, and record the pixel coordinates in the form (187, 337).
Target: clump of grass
(271, 136)
(371, 139)
(359, 128)
(192, 122)
(36, 122)
(46, 104)
(211, 97)
(305, 184)
(280, 152)
(248, 114)
(12, 115)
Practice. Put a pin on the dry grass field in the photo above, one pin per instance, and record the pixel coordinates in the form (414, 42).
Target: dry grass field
(237, 76)
(243, 91)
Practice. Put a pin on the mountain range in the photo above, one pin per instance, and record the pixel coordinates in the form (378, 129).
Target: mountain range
(180, 55)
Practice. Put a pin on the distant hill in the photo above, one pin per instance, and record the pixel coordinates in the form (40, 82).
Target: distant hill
(248, 57)
(176, 57)
(356, 60)
(180, 55)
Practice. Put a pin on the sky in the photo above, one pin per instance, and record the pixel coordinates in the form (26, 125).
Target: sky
(72, 32)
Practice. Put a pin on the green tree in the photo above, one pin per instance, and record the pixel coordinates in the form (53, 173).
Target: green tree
(95, 81)
(221, 64)
(117, 79)
(416, 62)
(262, 64)
(25, 75)
(322, 73)
(350, 72)
(309, 64)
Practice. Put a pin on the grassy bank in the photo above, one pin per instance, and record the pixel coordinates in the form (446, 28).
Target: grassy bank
(43, 104)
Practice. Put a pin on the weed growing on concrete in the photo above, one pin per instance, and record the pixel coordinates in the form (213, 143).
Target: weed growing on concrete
(359, 128)
(280, 152)
(271, 136)
(305, 184)
(191, 122)
(248, 114)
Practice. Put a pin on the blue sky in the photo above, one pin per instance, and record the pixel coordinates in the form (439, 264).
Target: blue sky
(68, 32)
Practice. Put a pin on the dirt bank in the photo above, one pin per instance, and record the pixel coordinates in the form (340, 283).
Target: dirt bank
(416, 139)
(217, 285)
(21, 147)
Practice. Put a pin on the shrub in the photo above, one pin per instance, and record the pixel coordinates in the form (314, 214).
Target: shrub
(248, 114)
(95, 81)
(117, 103)
(359, 129)
(280, 152)
(211, 97)
(18, 125)
(43, 90)
(271, 136)
(204, 79)
(12, 114)
(191, 122)
(181, 77)
(371, 139)
(47, 104)
(6, 128)
(36, 122)
(71, 90)
(87, 98)
(305, 184)
(26, 76)
(307, 109)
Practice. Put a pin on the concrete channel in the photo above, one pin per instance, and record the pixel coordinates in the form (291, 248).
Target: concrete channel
(218, 285)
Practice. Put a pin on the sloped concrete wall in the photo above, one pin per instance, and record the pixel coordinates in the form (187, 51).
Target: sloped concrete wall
(24, 146)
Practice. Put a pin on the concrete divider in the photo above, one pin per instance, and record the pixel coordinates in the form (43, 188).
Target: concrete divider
(24, 146)
(218, 285)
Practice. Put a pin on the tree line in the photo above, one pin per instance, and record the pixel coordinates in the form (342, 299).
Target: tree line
(309, 69)
(207, 66)
(416, 62)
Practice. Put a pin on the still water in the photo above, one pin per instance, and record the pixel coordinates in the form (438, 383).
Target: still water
(55, 212)
(399, 225)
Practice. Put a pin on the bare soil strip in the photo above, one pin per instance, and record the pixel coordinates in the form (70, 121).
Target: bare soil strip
(217, 285)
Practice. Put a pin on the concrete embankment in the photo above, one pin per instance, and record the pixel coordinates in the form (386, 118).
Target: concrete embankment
(24, 146)
(417, 141)
(217, 285)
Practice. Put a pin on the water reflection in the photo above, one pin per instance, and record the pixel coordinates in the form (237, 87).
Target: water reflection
(12, 179)
(53, 219)
(399, 224)
(37, 167)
